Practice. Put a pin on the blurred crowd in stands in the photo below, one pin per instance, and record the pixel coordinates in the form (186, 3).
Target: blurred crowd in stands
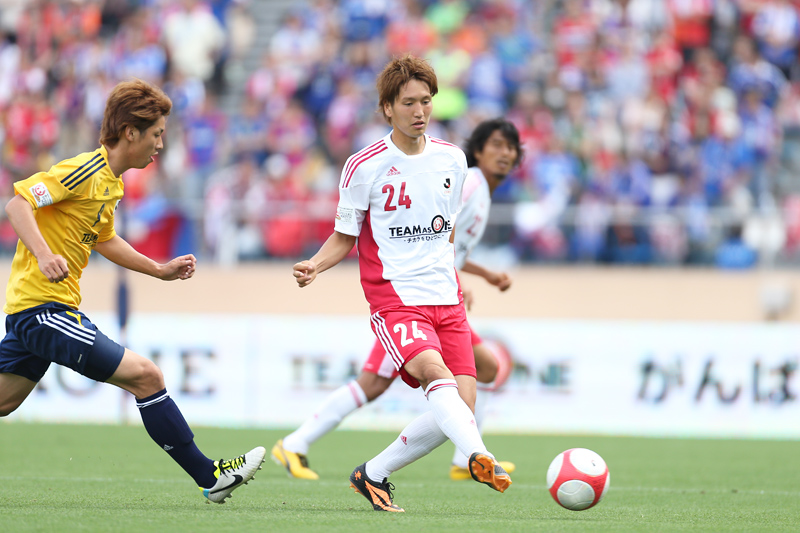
(655, 131)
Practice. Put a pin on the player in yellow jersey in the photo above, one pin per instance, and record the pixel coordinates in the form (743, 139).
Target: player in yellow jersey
(62, 215)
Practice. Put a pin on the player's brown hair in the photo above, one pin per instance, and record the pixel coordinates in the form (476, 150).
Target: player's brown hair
(132, 103)
(397, 73)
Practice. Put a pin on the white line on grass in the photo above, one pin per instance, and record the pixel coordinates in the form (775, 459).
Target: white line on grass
(325, 483)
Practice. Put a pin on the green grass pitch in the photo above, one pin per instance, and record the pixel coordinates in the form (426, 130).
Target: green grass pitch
(113, 478)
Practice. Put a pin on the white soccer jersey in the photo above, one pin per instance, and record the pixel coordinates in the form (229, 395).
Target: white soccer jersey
(402, 208)
(475, 203)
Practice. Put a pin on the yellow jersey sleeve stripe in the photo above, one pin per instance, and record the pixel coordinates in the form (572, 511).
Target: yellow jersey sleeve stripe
(71, 181)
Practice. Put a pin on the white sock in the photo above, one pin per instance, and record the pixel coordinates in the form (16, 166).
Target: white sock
(453, 416)
(418, 439)
(338, 405)
(481, 398)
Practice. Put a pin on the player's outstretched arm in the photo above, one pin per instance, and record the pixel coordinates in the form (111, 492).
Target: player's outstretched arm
(501, 280)
(20, 214)
(329, 255)
(117, 250)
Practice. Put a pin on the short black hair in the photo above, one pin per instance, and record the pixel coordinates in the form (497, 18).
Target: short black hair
(484, 130)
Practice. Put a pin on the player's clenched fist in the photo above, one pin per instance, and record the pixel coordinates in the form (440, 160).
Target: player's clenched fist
(54, 267)
(186, 266)
(304, 272)
(503, 282)
(182, 267)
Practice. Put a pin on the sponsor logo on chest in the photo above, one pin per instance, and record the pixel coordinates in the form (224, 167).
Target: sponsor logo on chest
(438, 228)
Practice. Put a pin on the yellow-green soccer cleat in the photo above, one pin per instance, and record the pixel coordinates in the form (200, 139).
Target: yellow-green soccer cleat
(296, 464)
(458, 473)
(234, 473)
(484, 469)
(378, 494)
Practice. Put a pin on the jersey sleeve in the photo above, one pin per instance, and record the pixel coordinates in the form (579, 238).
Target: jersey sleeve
(354, 191)
(108, 232)
(455, 198)
(464, 240)
(43, 189)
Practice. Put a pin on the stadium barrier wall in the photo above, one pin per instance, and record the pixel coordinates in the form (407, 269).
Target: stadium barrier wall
(678, 353)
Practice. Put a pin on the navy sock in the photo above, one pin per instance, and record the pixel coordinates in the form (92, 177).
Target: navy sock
(167, 427)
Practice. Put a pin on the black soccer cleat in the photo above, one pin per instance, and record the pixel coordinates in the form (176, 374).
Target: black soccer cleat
(378, 494)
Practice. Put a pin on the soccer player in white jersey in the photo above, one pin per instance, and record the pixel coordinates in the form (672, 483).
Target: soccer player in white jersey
(398, 200)
(493, 150)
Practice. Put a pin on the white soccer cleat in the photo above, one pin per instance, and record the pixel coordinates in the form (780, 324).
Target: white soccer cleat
(234, 473)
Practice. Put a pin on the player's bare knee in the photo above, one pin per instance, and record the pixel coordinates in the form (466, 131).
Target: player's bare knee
(372, 385)
(371, 390)
(486, 364)
(8, 407)
(151, 376)
(431, 372)
(148, 379)
(486, 370)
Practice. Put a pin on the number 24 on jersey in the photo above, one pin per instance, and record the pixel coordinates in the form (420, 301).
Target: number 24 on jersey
(402, 199)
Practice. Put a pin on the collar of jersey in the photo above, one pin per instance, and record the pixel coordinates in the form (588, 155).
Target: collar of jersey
(392, 146)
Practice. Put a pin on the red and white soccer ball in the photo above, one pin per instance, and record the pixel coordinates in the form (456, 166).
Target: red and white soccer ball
(578, 479)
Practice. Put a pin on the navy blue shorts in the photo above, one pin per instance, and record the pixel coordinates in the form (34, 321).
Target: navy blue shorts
(56, 333)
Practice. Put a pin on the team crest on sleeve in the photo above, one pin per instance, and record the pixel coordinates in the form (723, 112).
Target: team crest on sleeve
(41, 195)
(345, 214)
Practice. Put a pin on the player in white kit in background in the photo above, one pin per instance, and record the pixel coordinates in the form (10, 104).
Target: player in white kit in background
(493, 150)
(398, 200)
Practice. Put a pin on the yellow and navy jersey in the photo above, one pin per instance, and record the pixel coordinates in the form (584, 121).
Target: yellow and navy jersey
(74, 204)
